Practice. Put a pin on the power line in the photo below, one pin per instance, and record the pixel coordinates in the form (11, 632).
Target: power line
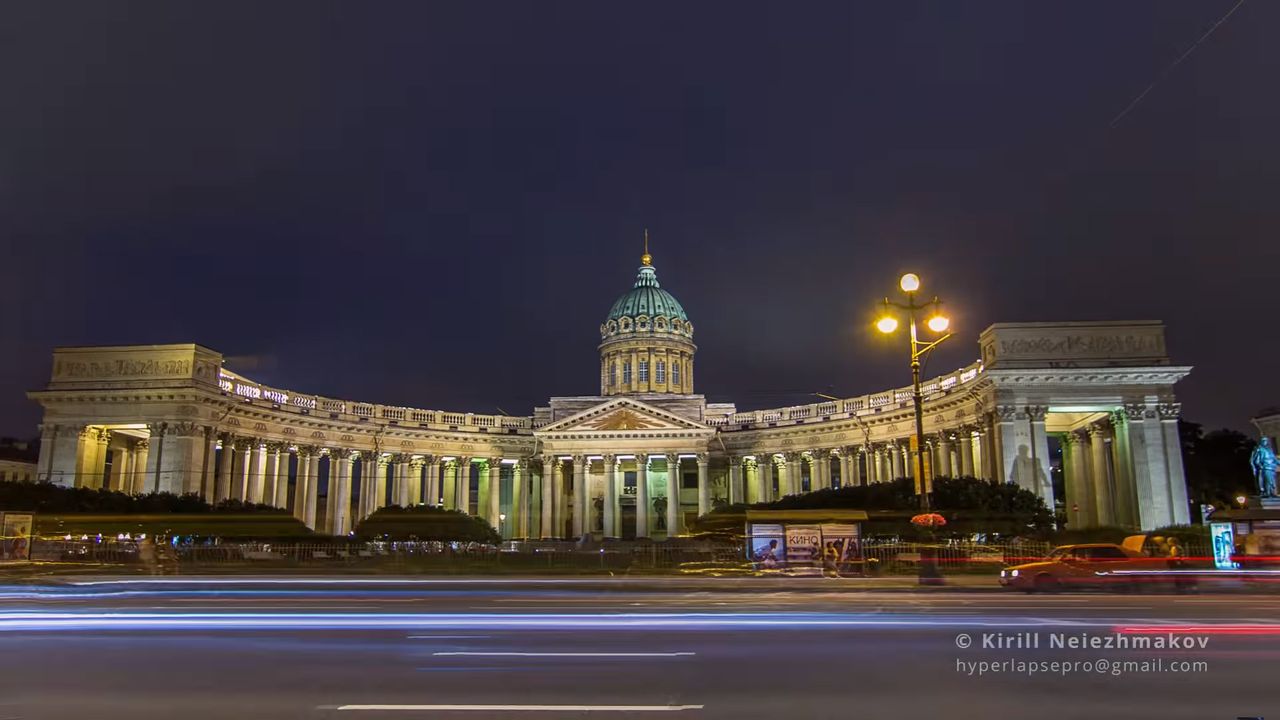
(1175, 63)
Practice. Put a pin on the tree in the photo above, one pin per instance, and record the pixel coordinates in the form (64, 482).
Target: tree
(1216, 464)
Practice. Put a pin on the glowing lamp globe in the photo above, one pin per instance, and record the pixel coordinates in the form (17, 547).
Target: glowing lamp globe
(887, 324)
(939, 323)
(910, 282)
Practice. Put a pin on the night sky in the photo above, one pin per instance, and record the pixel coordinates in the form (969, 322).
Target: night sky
(435, 204)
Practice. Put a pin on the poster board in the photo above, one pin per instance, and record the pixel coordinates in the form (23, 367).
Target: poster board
(15, 537)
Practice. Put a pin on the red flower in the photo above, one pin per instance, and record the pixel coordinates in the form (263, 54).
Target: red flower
(928, 520)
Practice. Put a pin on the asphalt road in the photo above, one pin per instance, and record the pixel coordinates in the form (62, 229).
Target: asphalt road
(725, 648)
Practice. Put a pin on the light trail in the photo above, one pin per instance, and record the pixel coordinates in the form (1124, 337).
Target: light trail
(523, 708)
(61, 621)
(566, 654)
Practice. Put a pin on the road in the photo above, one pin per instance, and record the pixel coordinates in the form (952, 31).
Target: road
(194, 648)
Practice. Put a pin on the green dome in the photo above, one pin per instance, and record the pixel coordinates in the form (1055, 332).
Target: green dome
(646, 298)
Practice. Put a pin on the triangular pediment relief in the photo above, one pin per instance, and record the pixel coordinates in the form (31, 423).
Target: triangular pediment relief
(623, 415)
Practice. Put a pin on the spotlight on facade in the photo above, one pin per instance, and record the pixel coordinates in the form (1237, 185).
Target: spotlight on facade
(939, 323)
(910, 282)
(887, 324)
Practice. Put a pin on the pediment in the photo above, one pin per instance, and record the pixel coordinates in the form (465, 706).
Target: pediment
(624, 415)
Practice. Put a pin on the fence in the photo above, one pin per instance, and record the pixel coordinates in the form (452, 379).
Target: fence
(881, 556)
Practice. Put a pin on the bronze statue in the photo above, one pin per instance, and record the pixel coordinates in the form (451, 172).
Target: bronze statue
(1264, 463)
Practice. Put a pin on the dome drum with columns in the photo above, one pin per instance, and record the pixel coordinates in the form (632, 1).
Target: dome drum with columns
(645, 455)
(646, 343)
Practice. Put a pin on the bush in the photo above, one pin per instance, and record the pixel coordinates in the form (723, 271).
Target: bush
(424, 522)
(54, 499)
(970, 505)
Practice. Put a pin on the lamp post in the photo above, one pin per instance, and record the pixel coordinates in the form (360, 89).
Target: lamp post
(937, 323)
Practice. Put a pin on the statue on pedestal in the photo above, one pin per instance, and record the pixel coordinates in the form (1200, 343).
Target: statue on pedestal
(1264, 464)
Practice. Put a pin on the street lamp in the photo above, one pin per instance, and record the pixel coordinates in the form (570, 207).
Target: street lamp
(937, 323)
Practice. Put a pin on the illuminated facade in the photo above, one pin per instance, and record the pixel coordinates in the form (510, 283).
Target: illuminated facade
(644, 455)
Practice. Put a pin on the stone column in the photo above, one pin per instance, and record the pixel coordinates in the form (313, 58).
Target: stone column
(48, 443)
(1040, 450)
(895, 461)
(62, 457)
(120, 470)
(282, 477)
(520, 499)
(240, 480)
(944, 456)
(791, 473)
(270, 470)
(449, 485)
(399, 490)
(208, 476)
(559, 515)
(464, 484)
(495, 492)
(765, 462)
(300, 490)
(611, 496)
(368, 475)
(380, 481)
(548, 496)
(226, 461)
(1180, 512)
(312, 499)
(735, 479)
(414, 480)
(704, 486)
(642, 495)
(580, 527)
(257, 471)
(342, 524)
(433, 480)
(141, 450)
(1079, 500)
(966, 453)
(673, 495)
(1101, 473)
(96, 458)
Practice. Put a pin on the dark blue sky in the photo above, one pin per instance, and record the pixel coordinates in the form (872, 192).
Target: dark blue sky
(435, 204)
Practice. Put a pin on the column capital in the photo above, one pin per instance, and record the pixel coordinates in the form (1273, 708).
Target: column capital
(308, 450)
(142, 444)
(793, 456)
(1037, 412)
(610, 460)
(673, 459)
(704, 458)
(1005, 413)
(402, 457)
(579, 459)
(1137, 411)
(494, 462)
(157, 428)
(430, 459)
(275, 446)
(1169, 410)
(383, 460)
(1099, 430)
(417, 462)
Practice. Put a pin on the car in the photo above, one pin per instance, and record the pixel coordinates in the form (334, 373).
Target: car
(1091, 565)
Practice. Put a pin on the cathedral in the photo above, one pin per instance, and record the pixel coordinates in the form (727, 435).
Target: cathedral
(644, 455)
